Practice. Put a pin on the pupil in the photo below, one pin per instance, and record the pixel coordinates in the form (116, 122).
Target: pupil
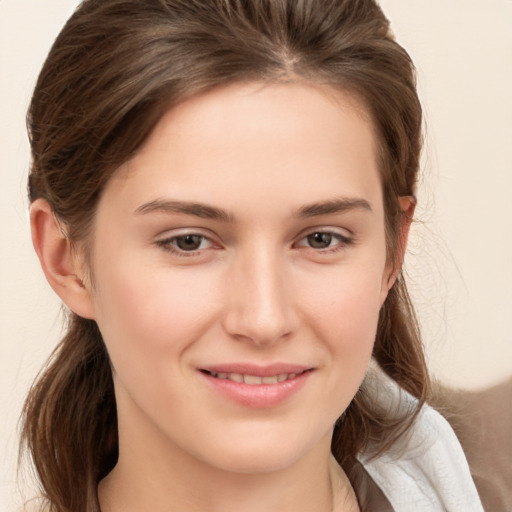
(320, 240)
(189, 242)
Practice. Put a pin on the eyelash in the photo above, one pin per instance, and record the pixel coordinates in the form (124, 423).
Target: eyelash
(343, 241)
(170, 244)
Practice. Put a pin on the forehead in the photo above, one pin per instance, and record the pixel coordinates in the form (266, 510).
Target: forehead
(286, 142)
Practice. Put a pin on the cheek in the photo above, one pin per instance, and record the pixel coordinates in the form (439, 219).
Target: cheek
(351, 299)
(343, 318)
(145, 314)
(345, 315)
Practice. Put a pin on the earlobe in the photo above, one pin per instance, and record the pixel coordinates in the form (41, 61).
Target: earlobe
(58, 260)
(407, 206)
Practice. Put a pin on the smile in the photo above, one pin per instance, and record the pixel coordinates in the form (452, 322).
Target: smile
(254, 380)
(257, 387)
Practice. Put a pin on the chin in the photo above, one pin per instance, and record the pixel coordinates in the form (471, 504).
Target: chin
(267, 454)
(257, 463)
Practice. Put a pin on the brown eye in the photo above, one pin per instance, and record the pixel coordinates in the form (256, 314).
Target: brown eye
(319, 240)
(189, 242)
(325, 242)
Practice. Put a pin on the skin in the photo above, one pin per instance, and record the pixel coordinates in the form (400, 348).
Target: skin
(255, 289)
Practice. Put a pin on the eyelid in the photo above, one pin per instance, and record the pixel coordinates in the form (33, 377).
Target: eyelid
(337, 231)
(345, 238)
(165, 241)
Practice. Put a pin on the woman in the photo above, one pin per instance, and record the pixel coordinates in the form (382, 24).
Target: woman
(221, 194)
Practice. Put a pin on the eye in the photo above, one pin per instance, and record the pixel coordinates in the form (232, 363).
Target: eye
(189, 242)
(186, 243)
(322, 240)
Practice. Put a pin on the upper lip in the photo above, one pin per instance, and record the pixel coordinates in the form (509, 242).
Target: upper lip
(256, 370)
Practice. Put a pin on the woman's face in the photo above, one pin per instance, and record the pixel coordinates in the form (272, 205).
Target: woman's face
(239, 264)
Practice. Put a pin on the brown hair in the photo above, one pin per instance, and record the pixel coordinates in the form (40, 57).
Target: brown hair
(115, 68)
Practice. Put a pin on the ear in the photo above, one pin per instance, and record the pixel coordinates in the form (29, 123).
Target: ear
(58, 260)
(407, 206)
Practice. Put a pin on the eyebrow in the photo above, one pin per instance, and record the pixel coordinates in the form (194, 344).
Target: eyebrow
(338, 205)
(201, 210)
(205, 211)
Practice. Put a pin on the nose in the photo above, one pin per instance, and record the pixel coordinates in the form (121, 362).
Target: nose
(260, 306)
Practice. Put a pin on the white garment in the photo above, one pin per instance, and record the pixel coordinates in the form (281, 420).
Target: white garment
(426, 471)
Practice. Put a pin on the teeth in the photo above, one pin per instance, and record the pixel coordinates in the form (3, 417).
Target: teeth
(237, 377)
(254, 380)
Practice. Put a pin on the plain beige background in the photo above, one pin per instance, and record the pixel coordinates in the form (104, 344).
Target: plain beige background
(460, 262)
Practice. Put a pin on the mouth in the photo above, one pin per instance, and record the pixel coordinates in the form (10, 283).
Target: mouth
(255, 380)
(257, 386)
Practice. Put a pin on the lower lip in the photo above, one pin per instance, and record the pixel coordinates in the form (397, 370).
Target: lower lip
(258, 395)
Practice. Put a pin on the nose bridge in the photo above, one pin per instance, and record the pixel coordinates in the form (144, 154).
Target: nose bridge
(260, 307)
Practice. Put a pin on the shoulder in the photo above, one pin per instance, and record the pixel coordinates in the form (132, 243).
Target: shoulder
(426, 469)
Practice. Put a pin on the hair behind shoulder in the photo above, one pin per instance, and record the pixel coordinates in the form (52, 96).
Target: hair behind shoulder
(112, 72)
